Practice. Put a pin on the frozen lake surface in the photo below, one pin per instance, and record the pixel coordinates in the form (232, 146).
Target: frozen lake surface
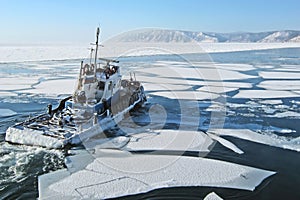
(237, 111)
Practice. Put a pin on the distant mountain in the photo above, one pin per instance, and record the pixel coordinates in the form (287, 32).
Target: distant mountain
(177, 36)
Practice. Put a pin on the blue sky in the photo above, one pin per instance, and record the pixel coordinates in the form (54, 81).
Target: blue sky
(75, 21)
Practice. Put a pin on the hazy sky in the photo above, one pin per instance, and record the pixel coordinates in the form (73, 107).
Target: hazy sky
(75, 21)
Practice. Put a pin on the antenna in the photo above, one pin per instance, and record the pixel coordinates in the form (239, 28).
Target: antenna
(97, 37)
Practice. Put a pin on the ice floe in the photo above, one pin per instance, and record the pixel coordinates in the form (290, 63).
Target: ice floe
(225, 143)
(218, 90)
(108, 173)
(225, 84)
(53, 87)
(281, 85)
(31, 137)
(17, 83)
(235, 67)
(4, 112)
(265, 94)
(212, 196)
(271, 102)
(279, 75)
(170, 140)
(187, 95)
(7, 94)
(269, 139)
(117, 174)
(286, 114)
(38, 52)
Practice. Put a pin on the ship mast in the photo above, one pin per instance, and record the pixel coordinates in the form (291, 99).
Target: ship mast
(96, 52)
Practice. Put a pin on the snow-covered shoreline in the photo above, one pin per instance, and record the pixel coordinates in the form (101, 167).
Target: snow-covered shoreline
(14, 53)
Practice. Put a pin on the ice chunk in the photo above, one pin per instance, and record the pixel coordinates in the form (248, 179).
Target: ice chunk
(212, 196)
(47, 179)
(54, 87)
(218, 90)
(4, 112)
(235, 67)
(281, 85)
(170, 140)
(163, 87)
(265, 94)
(106, 143)
(226, 143)
(211, 73)
(286, 114)
(114, 175)
(187, 95)
(31, 137)
(8, 94)
(269, 139)
(17, 83)
(272, 102)
(279, 75)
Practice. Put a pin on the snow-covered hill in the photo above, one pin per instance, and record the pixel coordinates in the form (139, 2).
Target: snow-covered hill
(281, 36)
(177, 36)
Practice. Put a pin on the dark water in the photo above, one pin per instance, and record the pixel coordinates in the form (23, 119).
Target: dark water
(21, 165)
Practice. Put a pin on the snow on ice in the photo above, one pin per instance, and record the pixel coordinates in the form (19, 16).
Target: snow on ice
(115, 174)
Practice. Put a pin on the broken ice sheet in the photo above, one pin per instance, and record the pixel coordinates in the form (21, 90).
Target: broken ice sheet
(113, 176)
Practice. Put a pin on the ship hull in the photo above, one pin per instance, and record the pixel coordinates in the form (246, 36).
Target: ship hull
(23, 133)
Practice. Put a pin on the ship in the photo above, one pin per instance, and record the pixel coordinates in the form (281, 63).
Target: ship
(100, 101)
